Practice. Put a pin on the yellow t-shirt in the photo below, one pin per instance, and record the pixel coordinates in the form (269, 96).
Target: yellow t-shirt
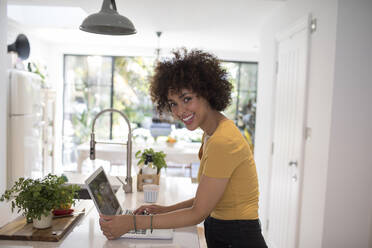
(226, 154)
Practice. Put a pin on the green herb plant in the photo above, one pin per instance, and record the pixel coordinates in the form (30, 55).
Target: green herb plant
(158, 158)
(37, 197)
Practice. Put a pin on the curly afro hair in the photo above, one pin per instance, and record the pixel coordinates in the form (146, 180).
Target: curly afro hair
(197, 71)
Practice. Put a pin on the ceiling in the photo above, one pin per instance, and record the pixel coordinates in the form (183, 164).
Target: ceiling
(232, 25)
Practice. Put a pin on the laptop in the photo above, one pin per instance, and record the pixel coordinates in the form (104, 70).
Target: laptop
(105, 200)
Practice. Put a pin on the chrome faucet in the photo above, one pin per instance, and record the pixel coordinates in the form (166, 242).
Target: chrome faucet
(127, 185)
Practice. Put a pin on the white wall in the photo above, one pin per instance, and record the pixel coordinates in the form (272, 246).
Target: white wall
(3, 96)
(348, 209)
(5, 211)
(147, 51)
(321, 77)
(336, 205)
(39, 50)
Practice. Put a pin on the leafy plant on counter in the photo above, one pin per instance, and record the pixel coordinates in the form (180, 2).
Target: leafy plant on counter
(36, 197)
(158, 158)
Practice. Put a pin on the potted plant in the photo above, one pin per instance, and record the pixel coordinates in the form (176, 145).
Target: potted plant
(66, 197)
(38, 197)
(150, 164)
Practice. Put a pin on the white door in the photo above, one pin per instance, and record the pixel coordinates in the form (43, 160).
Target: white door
(289, 137)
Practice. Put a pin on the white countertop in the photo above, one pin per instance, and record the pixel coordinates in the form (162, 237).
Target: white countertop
(87, 232)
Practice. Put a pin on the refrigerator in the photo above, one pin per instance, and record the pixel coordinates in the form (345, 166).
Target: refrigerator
(24, 126)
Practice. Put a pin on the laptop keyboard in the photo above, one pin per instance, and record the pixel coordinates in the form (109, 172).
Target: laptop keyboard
(139, 231)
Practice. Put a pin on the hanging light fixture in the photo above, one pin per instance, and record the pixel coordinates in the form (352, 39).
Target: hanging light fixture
(157, 50)
(21, 46)
(108, 21)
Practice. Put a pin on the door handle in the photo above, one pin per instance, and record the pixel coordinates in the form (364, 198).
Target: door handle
(294, 178)
(293, 163)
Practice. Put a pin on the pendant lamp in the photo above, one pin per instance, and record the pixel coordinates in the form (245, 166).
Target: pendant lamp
(157, 50)
(108, 21)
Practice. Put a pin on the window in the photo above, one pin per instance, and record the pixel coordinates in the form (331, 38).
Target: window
(94, 83)
(243, 76)
(130, 92)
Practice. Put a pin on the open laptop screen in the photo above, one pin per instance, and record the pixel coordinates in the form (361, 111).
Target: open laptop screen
(105, 200)
(101, 192)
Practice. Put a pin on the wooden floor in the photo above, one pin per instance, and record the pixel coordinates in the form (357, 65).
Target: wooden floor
(202, 242)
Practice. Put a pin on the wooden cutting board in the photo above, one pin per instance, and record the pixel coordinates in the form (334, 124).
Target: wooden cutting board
(19, 229)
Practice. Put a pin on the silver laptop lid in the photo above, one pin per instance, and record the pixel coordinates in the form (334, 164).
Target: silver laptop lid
(101, 192)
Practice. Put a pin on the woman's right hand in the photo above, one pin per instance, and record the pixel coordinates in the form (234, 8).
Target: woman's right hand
(151, 209)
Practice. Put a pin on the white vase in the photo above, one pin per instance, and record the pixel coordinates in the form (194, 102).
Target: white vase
(149, 171)
(44, 222)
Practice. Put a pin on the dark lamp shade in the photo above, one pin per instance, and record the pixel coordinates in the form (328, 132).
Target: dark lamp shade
(108, 22)
(21, 46)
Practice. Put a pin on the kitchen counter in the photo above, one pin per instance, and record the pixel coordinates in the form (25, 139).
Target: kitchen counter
(87, 232)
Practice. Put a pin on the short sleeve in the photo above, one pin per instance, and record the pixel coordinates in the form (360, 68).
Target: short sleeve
(222, 158)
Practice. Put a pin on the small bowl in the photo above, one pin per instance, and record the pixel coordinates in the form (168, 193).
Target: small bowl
(170, 144)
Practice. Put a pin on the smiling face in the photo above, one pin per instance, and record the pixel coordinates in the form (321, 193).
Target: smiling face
(190, 108)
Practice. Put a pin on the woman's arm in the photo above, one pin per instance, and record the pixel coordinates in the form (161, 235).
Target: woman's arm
(210, 191)
(208, 194)
(181, 205)
(157, 209)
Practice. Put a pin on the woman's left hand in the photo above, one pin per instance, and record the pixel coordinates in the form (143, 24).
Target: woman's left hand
(114, 226)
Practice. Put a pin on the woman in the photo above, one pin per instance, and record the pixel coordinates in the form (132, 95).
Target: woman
(194, 88)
